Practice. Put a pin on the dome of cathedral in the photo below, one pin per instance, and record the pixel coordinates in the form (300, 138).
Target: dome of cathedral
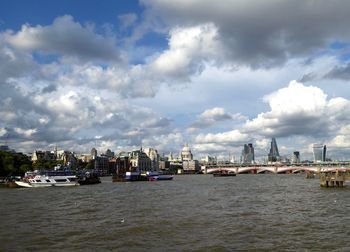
(186, 149)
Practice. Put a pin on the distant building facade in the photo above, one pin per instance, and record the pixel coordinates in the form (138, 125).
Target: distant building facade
(101, 165)
(154, 156)
(274, 154)
(140, 161)
(5, 148)
(93, 153)
(190, 166)
(109, 153)
(186, 154)
(296, 157)
(247, 156)
(208, 160)
(319, 151)
(39, 155)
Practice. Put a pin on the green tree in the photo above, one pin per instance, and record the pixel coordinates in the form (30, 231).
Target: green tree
(14, 163)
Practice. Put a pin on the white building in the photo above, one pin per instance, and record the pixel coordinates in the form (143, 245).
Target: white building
(186, 154)
(140, 161)
(154, 156)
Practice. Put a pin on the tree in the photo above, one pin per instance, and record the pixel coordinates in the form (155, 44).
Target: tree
(14, 163)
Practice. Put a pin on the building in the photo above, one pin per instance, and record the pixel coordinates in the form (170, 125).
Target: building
(190, 166)
(101, 165)
(85, 158)
(68, 158)
(319, 151)
(140, 161)
(274, 154)
(208, 160)
(93, 153)
(4, 148)
(120, 164)
(109, 154)
(296, 157)
(39, 155)
(154, 156)
(247, 154)
(186, 154)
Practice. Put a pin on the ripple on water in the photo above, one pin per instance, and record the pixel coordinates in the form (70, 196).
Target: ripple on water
(191, 213)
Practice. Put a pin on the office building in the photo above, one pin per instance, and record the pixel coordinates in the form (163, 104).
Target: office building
(247, 154)
(319, 151)
(274, 154)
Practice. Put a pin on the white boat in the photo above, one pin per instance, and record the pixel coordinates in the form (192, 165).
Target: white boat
(48, 178)
(152, 176)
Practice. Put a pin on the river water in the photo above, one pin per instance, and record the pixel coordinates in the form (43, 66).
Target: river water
(191, 213)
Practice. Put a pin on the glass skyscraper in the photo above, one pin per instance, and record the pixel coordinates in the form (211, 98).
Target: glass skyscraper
(273, 154)
(247, 154)
(319, 152)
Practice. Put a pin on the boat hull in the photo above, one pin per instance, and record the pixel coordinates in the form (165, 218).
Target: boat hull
(161, 177)
(29, 185)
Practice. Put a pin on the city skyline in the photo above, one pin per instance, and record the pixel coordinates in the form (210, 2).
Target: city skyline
(119, 75)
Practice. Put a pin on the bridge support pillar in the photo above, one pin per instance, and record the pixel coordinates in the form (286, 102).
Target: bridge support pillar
(332, 179)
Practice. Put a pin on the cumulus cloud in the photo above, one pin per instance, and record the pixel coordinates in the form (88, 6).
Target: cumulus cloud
(3, 131)
(298, 115)
(234, 136)
(65, 37)
(262, 34)
(213, 116)
(74, 97)
(156, 123)
(299, 110)
(189, 49)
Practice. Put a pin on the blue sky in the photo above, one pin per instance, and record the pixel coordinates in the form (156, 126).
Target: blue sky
(18, 12)
(156, 73)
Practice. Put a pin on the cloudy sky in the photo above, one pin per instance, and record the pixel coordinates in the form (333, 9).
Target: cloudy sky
(158, 73)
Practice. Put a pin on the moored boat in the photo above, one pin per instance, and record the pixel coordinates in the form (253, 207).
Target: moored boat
(88, 178)
(152, 176)
(138, 176)
(48, 178)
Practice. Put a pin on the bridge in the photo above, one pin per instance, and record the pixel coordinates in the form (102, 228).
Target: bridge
(277, 169)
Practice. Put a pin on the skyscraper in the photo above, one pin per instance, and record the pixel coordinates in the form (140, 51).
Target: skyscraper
(319, 152)
(247, 154)
(274, 154)
(296, 157)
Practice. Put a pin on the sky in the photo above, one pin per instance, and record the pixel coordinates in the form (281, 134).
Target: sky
(214, 75)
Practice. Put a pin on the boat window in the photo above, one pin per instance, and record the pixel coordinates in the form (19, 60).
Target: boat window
(38, 181)
(60, 180)
(48, 181)
(72, 179)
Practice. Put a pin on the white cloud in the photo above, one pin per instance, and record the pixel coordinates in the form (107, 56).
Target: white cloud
(25, 132)
(305, 111)
(262, 34)
(66, 37)
(189, 48)
(3, 132)
(297, 98)
(234, 136)
(213, 116)
(226, 53)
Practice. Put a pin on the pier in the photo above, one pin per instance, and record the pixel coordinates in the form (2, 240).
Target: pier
(333, 178)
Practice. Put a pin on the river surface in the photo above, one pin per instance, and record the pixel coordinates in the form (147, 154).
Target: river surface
(191, 213)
